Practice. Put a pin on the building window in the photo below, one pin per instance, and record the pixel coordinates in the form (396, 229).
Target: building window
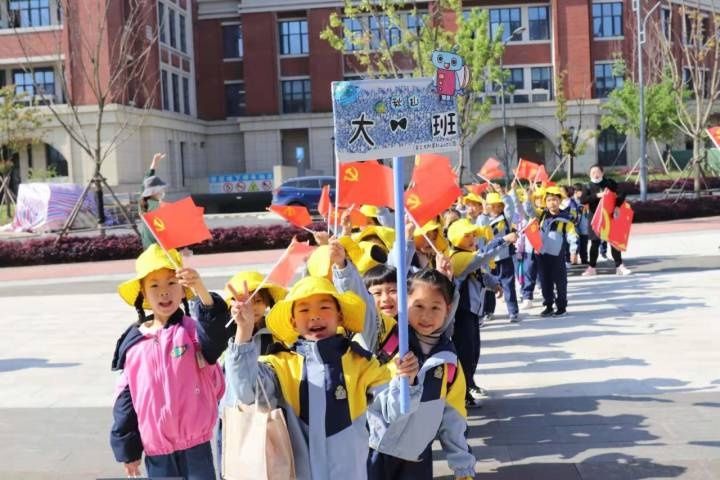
(294, 37)
(234, 99)
(605, 80)
(232, 41)
(607, 19)
(54, 160)
(696, 29)
(40, 81)
(541, 79)
(611, 148)
(176, 92)
(353, 28)
(161, 22)
(186, 95)
(183, 33)
(165, 95)
(296, 96)
(539, 23)
(29, 13)
(381, 26)
(508, 19)
(666, 22)
(413, 22)
(171, 24)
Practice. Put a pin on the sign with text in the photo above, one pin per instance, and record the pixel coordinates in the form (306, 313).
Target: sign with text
(241, 182)
(388, 118)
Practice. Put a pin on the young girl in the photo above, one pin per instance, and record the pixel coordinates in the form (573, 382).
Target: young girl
(321, 380)
(424, 252)
(403, 450)
(168, 370)
(153, 191)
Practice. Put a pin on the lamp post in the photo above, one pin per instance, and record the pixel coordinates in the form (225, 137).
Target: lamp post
(506, 162)
(640, 37)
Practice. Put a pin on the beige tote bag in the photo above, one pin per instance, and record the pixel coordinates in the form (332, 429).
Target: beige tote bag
(256, 443)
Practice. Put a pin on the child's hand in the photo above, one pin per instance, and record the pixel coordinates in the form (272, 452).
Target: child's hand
(408, 367)
(444, 266)
(321, 238)
(511, 237)
(498, 291)
(132, 469)
(346, 222)
(337, 253)
(409, 228)
(190, 278)
(156, 158)
(242, 314)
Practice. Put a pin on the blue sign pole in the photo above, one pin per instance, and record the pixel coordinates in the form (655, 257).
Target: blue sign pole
(399, 189)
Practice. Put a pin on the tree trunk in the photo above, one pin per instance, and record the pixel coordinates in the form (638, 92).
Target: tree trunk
(99, 200)
(570, 169)
(697, 146)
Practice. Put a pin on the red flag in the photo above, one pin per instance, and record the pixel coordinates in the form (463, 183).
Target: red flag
(365, 183)
(357, 219)
(324, 205)
(532, 233)
(620, 227)
(178, 224)
(295, 214)
(491, 170)
(526, 170)
(541, 175)
(424, 158)
(602, 219)
(478, 188)
(284, 270)
(435, 189)
(714, 133)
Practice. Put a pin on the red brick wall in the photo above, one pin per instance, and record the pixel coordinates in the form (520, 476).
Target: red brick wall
(325, 62)
(261, 52)
(572, 29)
(527, 54)
(209, 70)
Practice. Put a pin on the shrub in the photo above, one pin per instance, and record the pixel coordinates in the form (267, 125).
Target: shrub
(659, 186)
(669, 209)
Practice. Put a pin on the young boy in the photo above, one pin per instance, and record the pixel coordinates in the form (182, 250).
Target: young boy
(582, 223)
(557, 228)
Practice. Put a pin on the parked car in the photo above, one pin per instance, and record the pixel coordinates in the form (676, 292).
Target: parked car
(303, 191)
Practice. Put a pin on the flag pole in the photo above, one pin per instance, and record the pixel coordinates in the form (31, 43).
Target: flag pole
(399, 191)
(152, 232)
(337, 193)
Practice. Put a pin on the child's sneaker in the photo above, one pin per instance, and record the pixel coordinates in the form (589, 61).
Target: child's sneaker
(622, 270)
(547, 312)
(589, 272)
(514, 318)
(486, 318)
(526, 304)
(477, 393)
(560, 312)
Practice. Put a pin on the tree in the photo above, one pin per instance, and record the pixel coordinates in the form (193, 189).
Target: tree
(571, 141)
(20, 126)
(388, 38)
(111, 48)
(692, 61)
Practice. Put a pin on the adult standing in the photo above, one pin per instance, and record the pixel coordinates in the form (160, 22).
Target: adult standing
(592, 193)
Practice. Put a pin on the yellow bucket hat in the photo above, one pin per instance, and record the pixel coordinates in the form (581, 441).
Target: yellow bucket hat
(385, 234)
(493, 198)
(555, 191)
(370, 211)
(539, 192)
(152, 259)
(254, 280)
(364, 255)
(459, 228)
(279, 320)
(440, 242)
(472, 197)
(318, 263)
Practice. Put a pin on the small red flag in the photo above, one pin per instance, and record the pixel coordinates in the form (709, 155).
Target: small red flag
(365, 183)
(526, 170)
(491, 170)
(478, 188)
(324, 204)
(541, 175)
(532, 233)
(178, 224)
(357, 219)
(284, 270)
(620, 227)
(435, 189)
(714, 133)
(602, 219)
(295, 214)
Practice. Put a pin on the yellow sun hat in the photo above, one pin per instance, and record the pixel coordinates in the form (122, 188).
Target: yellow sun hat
(459, 228)
(493, 198)
(441, 242)
(279, 320)
(364, 255)
(318, 263)
(554, 190)
(385, 234)
(254, 280)
(152, 259)
(370, 211)
(472, 197)
(539, 192)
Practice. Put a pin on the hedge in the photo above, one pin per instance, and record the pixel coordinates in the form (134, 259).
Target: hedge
(237, 239)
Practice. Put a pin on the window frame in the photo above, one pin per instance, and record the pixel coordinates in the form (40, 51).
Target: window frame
(30, 88)
(304, 38)
(605, 66)
(308, 92)
(16, 21)
(507, 32)
(242, 107)
(530, 21)
(620, 152)
(238, 41)
(601, 17)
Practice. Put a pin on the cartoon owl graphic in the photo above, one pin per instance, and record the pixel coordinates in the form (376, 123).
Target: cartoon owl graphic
(452, 74)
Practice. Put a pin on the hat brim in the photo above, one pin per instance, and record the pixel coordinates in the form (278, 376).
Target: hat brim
(279, 320)
(276, 292)
(130, 289)
(150, 191)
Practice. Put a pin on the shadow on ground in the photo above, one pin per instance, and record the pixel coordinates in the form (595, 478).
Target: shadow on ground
(14, 364)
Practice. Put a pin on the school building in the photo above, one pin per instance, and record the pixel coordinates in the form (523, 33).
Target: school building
(243, 86)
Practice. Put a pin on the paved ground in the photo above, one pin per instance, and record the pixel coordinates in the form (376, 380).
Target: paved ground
(627, 387)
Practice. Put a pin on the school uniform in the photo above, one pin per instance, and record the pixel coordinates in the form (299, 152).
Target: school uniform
(556, 230)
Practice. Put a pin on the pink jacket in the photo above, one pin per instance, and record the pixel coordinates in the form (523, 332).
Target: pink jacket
(174, 391)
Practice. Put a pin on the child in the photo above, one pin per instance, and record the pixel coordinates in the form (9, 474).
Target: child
(466, 263)
(498, 215)
(152, 193)
(582, 223)
(473, 206)
(556, 228)
(403, 450)
(424, 252)
(532, 209)
(165, 373)
(320, 379)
